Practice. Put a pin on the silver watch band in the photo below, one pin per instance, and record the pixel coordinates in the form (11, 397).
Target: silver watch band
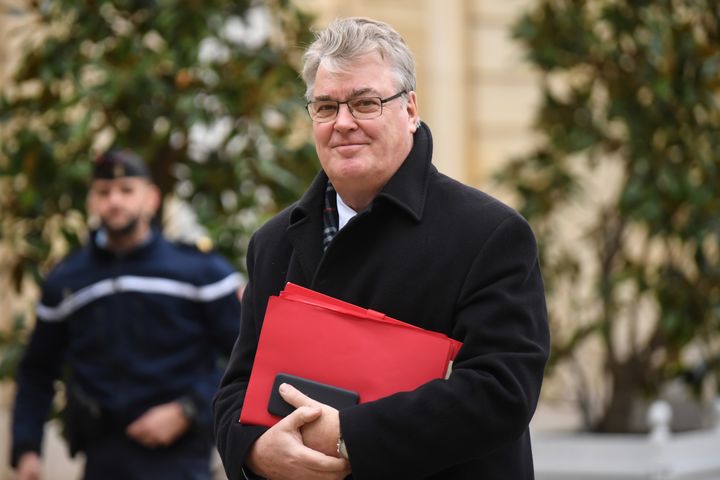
(342, 449)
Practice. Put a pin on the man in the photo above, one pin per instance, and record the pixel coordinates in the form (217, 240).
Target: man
(415, 245)
(136, 326)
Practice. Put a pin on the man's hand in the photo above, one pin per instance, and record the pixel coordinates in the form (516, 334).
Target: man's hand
(322, 434)
(279, 453)
(29, 467)
(160, 426)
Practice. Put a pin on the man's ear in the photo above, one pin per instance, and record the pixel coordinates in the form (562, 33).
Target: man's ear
(153, 200)
(412, 110)
(93, 218)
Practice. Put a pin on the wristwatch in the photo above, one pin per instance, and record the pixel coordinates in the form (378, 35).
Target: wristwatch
(189, 409)
(342, 449)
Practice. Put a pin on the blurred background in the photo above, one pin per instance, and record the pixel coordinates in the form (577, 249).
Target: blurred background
(598, 120)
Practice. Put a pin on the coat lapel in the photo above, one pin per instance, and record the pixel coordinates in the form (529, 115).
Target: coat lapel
(305, 233)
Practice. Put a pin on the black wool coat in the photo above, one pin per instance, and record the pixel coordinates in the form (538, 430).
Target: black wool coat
(443, 256)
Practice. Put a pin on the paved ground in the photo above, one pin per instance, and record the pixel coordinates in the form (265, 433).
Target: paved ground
(58, 466)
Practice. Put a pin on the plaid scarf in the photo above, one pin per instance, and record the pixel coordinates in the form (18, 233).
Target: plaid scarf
(330, 215)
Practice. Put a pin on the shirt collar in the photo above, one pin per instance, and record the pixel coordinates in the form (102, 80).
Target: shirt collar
(345, 213)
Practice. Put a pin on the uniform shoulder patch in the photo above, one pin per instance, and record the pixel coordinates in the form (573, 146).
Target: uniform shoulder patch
(204, 244)
(201, 244)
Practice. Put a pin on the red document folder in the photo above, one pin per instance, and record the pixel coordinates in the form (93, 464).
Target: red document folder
(320, 338)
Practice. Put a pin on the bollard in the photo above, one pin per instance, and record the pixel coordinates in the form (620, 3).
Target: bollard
(659, 416)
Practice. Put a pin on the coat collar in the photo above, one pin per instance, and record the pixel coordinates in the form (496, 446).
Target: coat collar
(147, 245)
(407, 189)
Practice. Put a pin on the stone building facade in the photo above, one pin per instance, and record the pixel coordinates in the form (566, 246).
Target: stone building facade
(475, 92)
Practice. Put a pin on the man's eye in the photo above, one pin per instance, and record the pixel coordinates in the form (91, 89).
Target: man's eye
(326, 107)
(365, 104)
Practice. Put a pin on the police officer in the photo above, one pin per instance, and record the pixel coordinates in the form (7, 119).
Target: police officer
(137, 328)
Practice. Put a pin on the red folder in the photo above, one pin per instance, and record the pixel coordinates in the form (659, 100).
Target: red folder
(320, 338)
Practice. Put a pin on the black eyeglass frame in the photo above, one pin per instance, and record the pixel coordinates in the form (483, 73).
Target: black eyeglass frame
(383, 101)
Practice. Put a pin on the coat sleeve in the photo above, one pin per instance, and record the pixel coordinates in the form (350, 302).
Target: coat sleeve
(39, 367)
(491, 395)
(222, 314)
(233, 439)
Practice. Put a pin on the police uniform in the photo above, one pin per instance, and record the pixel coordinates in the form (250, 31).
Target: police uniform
(128, 331)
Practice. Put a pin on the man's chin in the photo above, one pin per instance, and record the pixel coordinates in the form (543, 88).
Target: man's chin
(120, 230)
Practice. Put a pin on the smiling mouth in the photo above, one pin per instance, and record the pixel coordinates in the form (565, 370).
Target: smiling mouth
(348, 149)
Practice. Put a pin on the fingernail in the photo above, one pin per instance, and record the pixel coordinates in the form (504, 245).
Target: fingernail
(283, 388)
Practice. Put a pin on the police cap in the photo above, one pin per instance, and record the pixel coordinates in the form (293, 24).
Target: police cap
(119, 163)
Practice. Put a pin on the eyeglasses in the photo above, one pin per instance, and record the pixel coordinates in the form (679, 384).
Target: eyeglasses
(361, 108)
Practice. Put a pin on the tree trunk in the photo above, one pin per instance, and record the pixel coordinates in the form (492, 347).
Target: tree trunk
(624, 412)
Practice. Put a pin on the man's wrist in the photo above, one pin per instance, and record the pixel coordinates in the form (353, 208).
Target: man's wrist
(18, 452)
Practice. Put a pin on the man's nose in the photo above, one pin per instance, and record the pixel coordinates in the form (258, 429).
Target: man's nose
(115, 196)
(344, 117)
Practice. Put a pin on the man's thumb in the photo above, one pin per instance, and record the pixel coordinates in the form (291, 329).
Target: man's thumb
(303, 415)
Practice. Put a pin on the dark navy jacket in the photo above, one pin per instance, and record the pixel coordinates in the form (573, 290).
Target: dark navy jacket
(133, 331)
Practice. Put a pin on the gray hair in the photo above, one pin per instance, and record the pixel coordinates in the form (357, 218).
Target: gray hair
(346, 39)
